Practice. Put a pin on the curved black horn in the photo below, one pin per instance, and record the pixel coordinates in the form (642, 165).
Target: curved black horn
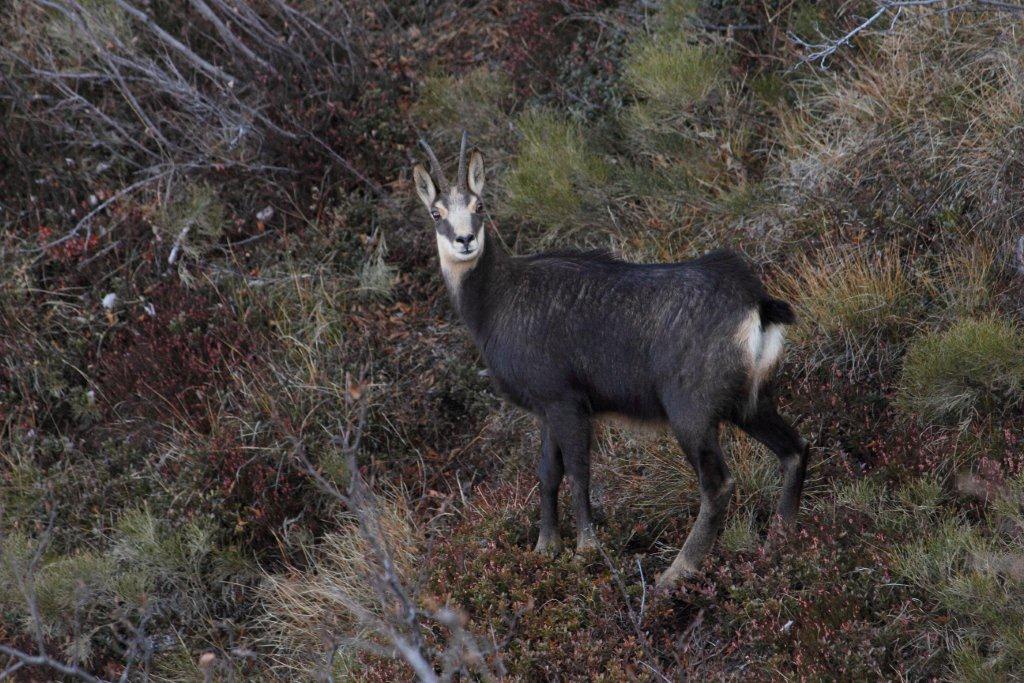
(462, 163)
(435, 166)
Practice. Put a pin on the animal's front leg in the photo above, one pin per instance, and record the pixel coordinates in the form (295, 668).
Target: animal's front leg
(550, 472)
(570, 428)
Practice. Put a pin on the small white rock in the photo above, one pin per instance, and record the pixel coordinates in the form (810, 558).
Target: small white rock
(787, 626)
(265, 215)
(109, 301)
(93, 200)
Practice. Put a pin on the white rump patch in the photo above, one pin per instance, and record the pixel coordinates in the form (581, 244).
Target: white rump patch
(762, 350)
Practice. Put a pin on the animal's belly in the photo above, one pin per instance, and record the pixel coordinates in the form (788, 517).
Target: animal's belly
(654, 425)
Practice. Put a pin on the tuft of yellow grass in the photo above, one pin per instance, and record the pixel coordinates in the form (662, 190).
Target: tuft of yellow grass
(331, 605)
(848, 300)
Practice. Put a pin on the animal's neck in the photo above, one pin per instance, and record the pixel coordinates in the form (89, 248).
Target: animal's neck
(472, 285)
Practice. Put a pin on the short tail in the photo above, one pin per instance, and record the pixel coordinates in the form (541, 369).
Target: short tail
(776, 312)
(761, 335)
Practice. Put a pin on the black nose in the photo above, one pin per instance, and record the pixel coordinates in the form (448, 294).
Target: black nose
(465, 241)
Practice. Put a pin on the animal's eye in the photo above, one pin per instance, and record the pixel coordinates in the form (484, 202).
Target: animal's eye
(435, 214)
(479, 206)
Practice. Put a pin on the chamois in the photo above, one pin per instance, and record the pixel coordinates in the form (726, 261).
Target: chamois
(575, 336)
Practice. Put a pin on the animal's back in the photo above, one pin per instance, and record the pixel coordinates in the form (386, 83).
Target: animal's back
(616, 332)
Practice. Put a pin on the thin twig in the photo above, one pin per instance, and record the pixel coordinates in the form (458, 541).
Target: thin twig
(820, 52)
(634, 619)
(50, 662)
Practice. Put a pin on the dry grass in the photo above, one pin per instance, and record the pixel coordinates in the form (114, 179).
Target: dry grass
(848, 301)
(321, 617)
(940, 107)
(648, 473)
(967, 281)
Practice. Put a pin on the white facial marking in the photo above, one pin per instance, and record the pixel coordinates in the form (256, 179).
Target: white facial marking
(457, 259)
(460, 216)
(454, 263)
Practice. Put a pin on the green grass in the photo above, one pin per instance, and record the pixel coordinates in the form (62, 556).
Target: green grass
(672, 72)
(555, 176)
(978, 582)
(974, 365)
(477, 101)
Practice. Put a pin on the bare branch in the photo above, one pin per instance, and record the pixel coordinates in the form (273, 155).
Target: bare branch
(405, 632)
(44, 660)
(821, 51)
(228, 36)
(634, 617)
(26, 585)
(176, 44)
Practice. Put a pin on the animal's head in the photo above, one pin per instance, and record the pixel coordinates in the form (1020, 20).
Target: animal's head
(457, 210)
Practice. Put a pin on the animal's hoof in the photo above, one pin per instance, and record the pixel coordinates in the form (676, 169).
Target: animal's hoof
(783, 523)
(587, 543)
(550, 545)
(671, 577)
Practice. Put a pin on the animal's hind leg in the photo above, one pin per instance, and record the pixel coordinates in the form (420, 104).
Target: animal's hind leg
(550, 471)
(716, 487)
(570, 429)
(768, 427)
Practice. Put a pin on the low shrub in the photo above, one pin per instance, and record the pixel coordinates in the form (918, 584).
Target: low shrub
(167, 584)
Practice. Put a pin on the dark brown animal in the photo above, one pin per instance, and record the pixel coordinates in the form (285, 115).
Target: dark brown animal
(574, 336)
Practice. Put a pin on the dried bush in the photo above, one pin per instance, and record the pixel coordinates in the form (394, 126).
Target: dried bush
(849, 302)
(139, 98)
(917, 130)
(323, 616)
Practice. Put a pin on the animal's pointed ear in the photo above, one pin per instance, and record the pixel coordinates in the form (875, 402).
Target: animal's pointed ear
(476, 172)
(424, 186)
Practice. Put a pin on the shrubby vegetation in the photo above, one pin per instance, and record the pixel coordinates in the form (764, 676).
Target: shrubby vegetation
(242, 435)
